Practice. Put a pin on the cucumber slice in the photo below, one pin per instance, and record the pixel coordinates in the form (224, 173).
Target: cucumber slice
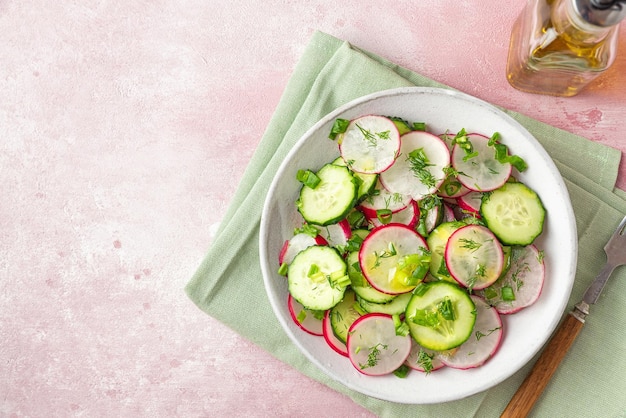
(395, 306)
(440, 315)
(514, 213)
(332, 199)
(367, 181)
(360, 285)
(343, 314)
(437, 241)
(474, 256)
(312, 277)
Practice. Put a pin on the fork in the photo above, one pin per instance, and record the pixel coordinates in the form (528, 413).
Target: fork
(536, 381)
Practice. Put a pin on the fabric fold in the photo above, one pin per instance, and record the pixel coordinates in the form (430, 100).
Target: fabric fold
(331, 73)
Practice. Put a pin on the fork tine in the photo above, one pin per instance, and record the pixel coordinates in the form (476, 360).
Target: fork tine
(620, 227)
(618, 234)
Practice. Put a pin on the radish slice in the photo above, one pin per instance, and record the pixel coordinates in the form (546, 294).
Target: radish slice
(448, 213)
(297, 243)
(423, 360)
(448, 139)
(523, 281)
(388, 258)
(336, 235)
(330, 338)
(431, 216)
(471, 202)
(408, 216)
(452, 188)
(304, 318)
(481, 172)
(474, 256)
(383, 199)
(419, 168)
(370, 144)
(484, 341)
(373, 346)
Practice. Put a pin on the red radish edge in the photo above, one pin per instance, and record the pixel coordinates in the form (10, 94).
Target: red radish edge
(412, 211)
(336, 234)
(352, 333)
(310, 324)
(287, 246)
(411, 360)
(510, 308)
(470, 202)
(487, 335)
(333, 342)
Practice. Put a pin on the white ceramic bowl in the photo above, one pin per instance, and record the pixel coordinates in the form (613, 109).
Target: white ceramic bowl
(524, 332)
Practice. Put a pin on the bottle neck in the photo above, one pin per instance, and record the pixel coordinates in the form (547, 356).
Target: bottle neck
(575, 27)
(604, 13)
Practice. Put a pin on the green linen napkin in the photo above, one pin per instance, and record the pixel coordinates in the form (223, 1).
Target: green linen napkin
(330, 73)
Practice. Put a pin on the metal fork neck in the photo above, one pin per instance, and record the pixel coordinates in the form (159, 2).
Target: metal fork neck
(593, 292)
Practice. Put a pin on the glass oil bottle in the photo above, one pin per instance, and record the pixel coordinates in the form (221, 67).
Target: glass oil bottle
(559, 46)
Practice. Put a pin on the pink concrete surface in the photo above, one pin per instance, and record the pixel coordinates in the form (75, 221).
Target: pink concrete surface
(125, 127)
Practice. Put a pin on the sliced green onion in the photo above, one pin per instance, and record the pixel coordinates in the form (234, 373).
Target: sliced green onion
(354, 243)
(470, 155)
(315, 274)
(402, 327)
(419, 126)
(318, 314)
(420, 289)
(421, 227)
(418, 275)
(313, 270)
(339, 127)
(494, 139)
(301, 316)
(508, 294)
(307, 229)
(446, 309)
(402, 371)
(426, 318)
(490, 293)
(339, 279)
(308, 178)
(356, 219)
(282, 270)
(502, 155)
(384, 215)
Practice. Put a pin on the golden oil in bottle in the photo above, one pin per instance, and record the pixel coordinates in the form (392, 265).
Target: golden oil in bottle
(559, 46)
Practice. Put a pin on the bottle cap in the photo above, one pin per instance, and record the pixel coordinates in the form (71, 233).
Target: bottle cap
(601, 12)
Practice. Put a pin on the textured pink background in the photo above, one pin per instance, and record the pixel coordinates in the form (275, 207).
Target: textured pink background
(125, 127)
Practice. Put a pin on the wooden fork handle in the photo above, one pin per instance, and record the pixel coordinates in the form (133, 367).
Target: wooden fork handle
(524, 399)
